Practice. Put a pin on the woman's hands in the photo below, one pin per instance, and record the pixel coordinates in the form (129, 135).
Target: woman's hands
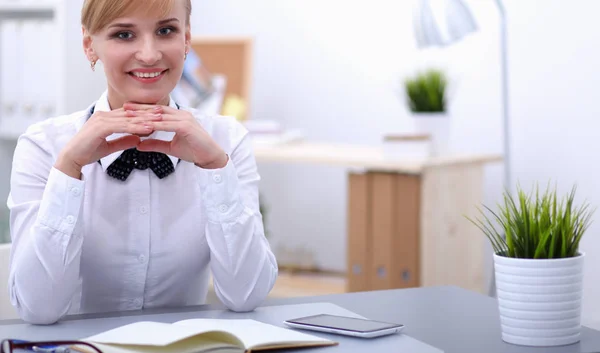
(89, 144)
(190, 143)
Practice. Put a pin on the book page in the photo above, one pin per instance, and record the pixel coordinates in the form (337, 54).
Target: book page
(146, 333)
(254, 334)
(194, 344)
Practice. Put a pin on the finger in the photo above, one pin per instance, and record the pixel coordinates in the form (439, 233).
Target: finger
(144, 119)
(142, 107)
(173, 117)
(155, 146)
(169, 110)
(126, 127)
(168, 125)
(123, 143)
(141, 113)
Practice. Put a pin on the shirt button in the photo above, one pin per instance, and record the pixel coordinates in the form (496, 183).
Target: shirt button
(143, 210)
(223, 208)
(70, 219)
(75, 191)
(217, 178)
(142, 258)
(137, 302)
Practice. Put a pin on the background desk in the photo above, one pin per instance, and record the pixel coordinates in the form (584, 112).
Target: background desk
(449, 318)
(406, 224)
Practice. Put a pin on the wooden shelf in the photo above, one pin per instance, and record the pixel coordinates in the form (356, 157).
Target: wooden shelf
(358, 156)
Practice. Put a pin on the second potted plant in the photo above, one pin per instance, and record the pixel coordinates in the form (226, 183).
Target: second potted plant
(426, 95)
(538, 266)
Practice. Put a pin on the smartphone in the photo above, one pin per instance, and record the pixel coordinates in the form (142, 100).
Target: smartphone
(343, 325)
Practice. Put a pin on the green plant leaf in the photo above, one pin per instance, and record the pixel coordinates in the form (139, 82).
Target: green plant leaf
(426, 91)
(536, 225)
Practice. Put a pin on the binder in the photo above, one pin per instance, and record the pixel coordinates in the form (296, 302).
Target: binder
(406, 244)
(384, 213)
(48, 70)
(33, 72)
(382, 231)
(358, 245)
(10, 67)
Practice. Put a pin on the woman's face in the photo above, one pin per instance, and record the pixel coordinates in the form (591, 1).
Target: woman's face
(142, 56)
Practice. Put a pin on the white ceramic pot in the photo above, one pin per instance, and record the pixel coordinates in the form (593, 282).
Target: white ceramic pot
(437, 126)
(539, 300)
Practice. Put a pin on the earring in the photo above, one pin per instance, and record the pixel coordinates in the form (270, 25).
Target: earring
(185, 56)
(93, 65)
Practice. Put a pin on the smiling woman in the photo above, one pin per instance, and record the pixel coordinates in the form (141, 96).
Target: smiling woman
(142, 45)
(134, 201)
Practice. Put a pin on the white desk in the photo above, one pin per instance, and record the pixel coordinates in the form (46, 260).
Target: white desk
(447, 318)
(406, 224)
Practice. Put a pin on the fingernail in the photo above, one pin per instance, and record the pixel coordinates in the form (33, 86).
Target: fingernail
(157, 109)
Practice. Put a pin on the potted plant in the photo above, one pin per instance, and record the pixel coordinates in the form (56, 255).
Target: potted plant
(426, 95)
(426, 92)
(538, 266)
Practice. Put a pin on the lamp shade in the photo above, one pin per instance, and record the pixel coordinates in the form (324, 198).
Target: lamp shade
(442, 22)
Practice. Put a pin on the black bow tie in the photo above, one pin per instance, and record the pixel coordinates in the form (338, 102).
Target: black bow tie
(160, 164)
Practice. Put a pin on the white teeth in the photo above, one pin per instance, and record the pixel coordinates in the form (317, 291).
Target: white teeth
(147, 74)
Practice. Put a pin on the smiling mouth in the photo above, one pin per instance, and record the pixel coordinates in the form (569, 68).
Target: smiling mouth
(147, 75)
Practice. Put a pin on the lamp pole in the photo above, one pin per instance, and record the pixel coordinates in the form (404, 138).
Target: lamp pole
(505, 100)
(505, 113)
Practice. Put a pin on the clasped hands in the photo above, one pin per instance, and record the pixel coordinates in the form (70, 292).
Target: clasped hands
(190, 142)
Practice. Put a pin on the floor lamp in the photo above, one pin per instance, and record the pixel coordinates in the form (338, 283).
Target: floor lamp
(443, 22)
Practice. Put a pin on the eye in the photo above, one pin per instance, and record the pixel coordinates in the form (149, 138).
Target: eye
(165, 31)
(123, 35)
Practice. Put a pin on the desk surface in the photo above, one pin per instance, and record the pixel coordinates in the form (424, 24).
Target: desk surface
(357, 156)
(449, 318)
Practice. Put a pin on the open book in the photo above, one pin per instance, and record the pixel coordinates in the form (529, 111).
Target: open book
(199, 336)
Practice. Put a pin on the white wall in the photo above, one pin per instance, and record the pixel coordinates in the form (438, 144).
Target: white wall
(331, 68)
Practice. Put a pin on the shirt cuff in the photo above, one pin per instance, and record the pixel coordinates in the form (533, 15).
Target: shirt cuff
(61, 202)
(223, 202)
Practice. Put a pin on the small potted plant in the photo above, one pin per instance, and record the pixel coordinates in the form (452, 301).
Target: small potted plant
(426, 96)
(538, 266)
(426, 92)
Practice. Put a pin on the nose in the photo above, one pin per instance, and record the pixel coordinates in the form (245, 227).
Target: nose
(148, 53)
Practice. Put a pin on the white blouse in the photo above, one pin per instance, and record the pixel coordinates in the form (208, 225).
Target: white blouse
(100, 244)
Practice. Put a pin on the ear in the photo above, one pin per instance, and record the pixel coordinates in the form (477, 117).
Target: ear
(88, 48)
(188, 38)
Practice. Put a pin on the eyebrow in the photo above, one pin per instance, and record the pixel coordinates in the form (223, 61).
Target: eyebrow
(131, 25)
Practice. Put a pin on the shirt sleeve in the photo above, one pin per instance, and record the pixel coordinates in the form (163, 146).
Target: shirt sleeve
(46, 241)
(243, 266)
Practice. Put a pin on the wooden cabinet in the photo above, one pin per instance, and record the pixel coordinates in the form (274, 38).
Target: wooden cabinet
(406, 219)
(410, 230)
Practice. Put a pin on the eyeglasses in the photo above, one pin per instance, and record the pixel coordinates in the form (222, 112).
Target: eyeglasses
(14, 346)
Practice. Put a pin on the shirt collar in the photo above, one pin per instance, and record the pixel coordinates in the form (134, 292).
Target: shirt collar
(102, 105)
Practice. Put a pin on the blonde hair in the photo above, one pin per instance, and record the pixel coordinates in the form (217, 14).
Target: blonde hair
(96, 14)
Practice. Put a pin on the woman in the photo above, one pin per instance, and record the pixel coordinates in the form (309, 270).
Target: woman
(130, 203)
